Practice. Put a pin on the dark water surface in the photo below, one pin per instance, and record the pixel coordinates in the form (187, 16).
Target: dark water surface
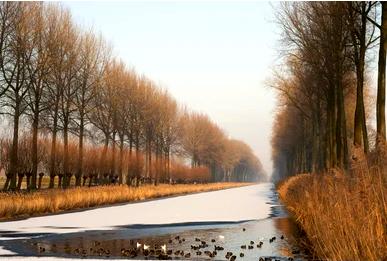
(121, 242)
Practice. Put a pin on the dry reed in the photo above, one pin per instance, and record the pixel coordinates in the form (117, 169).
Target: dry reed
(344, 216)
(15, 205)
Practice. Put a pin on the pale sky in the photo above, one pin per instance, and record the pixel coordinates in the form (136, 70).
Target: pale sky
(213, 57)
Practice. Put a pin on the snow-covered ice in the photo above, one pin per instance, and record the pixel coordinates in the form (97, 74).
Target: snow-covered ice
(236, 204)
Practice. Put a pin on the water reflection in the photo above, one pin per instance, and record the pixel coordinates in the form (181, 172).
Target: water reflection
(178, 240)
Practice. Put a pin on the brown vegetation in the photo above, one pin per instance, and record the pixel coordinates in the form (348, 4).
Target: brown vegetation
(344, 217)
(13, 205)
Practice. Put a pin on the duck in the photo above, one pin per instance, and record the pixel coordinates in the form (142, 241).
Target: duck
(146, 252)
(219, 248)
(195, 247)
(251, 242)
(197, 239)
(241, 255)
(198, 253)
(251, 247)
(228, 255)
(213, 240)
(188, 255)
(232, 258)
(243, 246)
(125, 252)
(208, 253)
(133, 253)
(282, 237)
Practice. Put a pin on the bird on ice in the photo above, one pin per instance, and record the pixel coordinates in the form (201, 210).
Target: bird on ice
(146, 247)
(138, 245)
(164, 248)
(221, 237)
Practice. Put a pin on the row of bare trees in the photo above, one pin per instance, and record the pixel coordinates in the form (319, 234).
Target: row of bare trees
(61, 84)
(323, 88)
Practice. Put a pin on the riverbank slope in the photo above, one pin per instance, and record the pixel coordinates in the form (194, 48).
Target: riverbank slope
(344, 217)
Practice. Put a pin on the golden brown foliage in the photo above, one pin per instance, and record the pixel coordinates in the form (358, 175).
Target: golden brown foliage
(186, 174)
(344, 217)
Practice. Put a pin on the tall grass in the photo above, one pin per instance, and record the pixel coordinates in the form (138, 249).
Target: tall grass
(13, 205)
(344, 216)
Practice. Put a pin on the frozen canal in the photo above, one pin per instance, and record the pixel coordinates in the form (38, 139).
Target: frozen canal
(230, 218)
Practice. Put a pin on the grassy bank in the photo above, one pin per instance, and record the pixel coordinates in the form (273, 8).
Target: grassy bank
(344, 217)
(14, 205)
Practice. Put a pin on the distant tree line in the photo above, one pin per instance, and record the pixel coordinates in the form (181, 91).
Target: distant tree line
(78, 112)
(325, 101)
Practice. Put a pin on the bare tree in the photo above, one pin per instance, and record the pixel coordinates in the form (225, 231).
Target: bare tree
(16, 55)
(93, 58)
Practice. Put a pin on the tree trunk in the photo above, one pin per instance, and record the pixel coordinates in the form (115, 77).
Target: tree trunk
(53, 148)
(157, 170)
(15, 146)
(103, 159)
(120, 178)
(360, 127)
(381, 93)
(150, 174)
(113, 163)
(34, 151)
(66, 177)
(80, 152)
(20, 177)
(138, 171)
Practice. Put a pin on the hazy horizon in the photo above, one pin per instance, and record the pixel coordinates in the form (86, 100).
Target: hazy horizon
(212, 57)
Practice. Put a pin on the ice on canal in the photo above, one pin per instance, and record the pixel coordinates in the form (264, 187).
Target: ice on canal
(229, 205)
